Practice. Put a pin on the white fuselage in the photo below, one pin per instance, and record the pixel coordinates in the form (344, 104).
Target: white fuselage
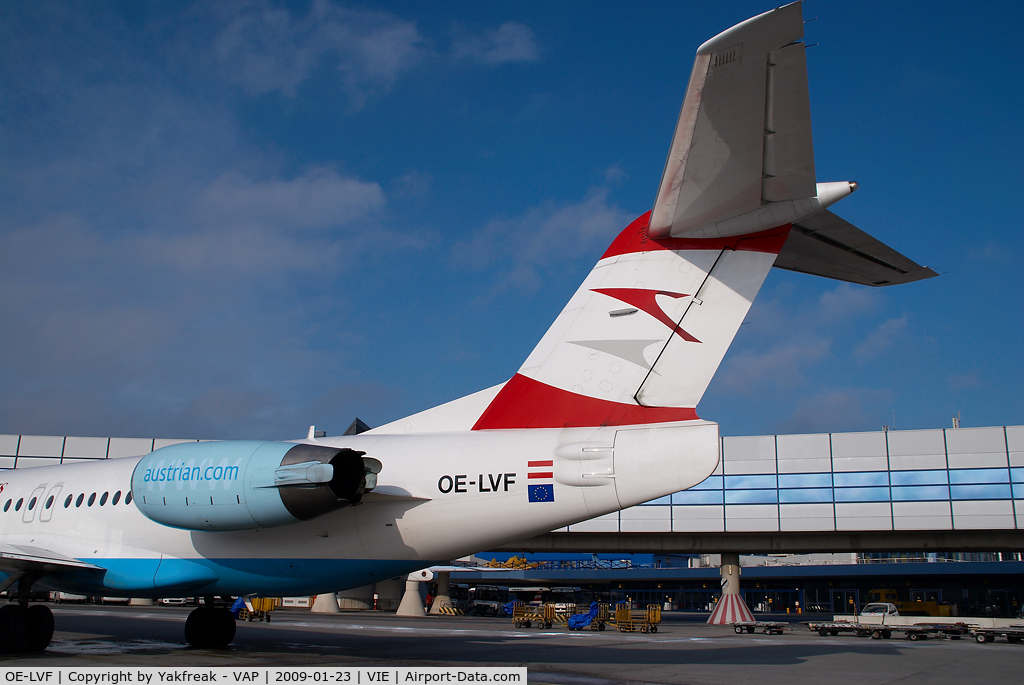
(438, 497)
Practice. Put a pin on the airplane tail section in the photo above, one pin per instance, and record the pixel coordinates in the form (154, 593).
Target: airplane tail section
(642, 337)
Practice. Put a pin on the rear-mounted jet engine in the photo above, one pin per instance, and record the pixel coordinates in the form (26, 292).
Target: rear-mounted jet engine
(240, 485)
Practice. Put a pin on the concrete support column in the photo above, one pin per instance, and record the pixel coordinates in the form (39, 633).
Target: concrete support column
(412, 600)
(389, 594)
(326, 603)
(443, 598)
(358, 598)
(731, 607)
(730, 570)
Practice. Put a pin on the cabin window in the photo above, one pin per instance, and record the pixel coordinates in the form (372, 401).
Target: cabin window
(117, 497)
(49, 502)
(103, 498)
(78, 502)
(8, 505)
(67, 502)
(92, 499)
(128, 498)
(17, 507)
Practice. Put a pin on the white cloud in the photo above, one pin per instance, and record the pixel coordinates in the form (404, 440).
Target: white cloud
(318, 199)
(266, 49)
(881, 339)
(840, 409)
(520, 248)
(510, 42)
(785, 364)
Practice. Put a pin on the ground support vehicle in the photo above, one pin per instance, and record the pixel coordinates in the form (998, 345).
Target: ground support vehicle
(629, 620)
(596, 617)
(918, 631)
(1013, 633)
(912, 608)
(525, 615)
(257, 609)
(767, 627)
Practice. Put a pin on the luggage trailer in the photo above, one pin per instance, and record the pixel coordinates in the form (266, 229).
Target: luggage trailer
(918, 631)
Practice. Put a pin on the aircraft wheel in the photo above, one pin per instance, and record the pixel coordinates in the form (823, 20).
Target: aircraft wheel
(40, 628)
(13, 628)
(207, 627)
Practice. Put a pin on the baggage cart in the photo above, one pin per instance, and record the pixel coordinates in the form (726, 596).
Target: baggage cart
(767, 627)
(525, 615)
(1013, 634)
(629, 620)
(257, 609)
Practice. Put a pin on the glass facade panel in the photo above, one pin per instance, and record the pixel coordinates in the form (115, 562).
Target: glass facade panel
(861, 479)
(979, 476)
(709, 483)
(751, 496)
(667, 499)
(805, 480)
(980, 491)
(862, 494)
(919, 477)
(805, 495)
(1018, 490)
(1017, 475)
(697, 497)
(734, 482)
(920, 493)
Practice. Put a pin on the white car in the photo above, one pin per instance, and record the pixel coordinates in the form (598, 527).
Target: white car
(59, 597)
(879, 609)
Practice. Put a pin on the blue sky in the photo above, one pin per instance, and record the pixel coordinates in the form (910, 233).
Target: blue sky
(237, 219)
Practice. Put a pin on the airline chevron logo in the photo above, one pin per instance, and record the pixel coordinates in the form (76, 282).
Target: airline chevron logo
(646, 300)
(540, 471)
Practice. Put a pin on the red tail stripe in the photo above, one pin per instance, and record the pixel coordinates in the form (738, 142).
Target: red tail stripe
(634, 239)
(534, 464)
(541, 474)
(526, 403)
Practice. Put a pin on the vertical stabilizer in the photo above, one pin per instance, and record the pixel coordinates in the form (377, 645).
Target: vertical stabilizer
(642, 337)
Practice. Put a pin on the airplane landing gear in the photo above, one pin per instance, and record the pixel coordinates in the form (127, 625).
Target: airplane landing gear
(25, 630)
(209, 627)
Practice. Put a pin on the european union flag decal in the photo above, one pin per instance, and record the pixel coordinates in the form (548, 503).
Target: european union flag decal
(542, 493)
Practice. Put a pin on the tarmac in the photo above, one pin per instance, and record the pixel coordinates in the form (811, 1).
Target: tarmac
(683, 651)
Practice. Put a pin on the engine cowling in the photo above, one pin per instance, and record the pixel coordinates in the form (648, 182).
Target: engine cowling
(241, 485)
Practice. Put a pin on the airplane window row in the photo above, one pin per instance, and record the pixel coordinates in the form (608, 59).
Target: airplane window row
(67, 502)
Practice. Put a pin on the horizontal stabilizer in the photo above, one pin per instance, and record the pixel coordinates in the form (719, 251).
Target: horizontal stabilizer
(825, 245)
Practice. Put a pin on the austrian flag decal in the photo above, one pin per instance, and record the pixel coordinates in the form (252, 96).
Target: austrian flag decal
(544, 490)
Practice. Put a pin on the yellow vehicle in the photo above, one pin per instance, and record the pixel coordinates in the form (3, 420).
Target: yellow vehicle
(628, 620)
(524, 615)
(917, 608)
(257, 609)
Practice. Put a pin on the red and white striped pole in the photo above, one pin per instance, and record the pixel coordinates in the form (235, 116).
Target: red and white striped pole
(730, 607)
